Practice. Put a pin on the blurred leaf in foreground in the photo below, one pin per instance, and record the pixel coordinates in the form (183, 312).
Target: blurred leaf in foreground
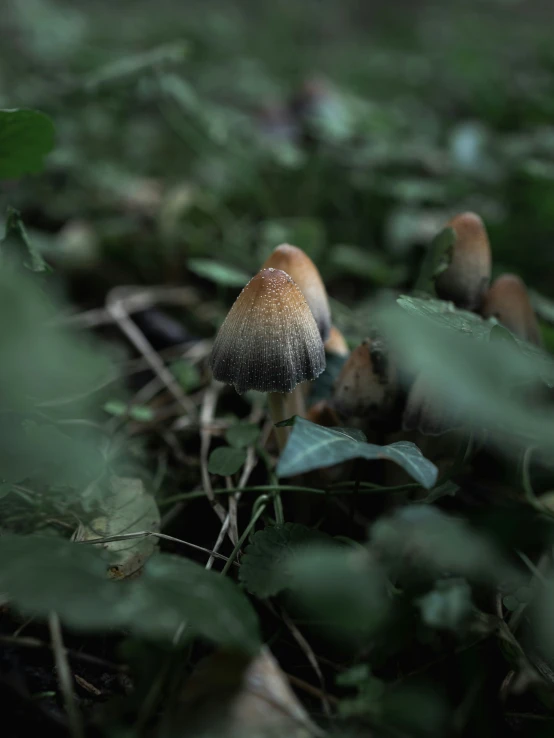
(17, 246)
(312, 446)
(436, 260)
(488, 383)
(26, 136)
(422, 538)
(263, 571)
(39, 575)
(341, 589)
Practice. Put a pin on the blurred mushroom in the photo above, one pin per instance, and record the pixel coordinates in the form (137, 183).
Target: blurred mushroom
(336, 344)
(466, 279)
(424, 414)
(367, 385)
(304, 272)
(232, 695)
(508, 301)
(323, 414)
(269, 342)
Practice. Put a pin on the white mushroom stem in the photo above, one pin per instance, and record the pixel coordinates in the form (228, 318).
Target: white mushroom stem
(277, 402)
(295, 401)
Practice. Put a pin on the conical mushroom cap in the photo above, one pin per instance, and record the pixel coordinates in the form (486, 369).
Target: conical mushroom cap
(269, 341)
(366, 386)
(301, 268)
(466, 279)
(508, 301)
(427, 415)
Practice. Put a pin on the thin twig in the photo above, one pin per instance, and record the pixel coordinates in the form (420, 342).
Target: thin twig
(310, 655)
(65, 678)
(206, 416)
(26, 642)
(116, 305)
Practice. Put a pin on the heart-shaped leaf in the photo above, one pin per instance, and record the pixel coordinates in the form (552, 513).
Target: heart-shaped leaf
(312, 446)
(26, 136)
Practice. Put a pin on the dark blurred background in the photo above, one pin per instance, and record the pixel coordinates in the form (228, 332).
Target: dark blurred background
(194, 131)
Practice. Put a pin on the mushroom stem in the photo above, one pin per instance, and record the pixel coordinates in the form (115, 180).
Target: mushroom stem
(295, 402)
(277, 402)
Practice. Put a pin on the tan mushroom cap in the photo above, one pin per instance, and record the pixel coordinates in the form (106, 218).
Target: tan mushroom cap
(269, 341)
(304, 272)
(366, 385)
(336, 343)
(466, 279)
(508, 301)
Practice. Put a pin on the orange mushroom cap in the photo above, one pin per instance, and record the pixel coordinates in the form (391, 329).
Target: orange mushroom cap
(269, 341)
(304, 272)
(508, 301)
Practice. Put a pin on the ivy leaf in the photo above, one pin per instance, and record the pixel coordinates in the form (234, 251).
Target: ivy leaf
(312, 446)
(226, 460)
(436, 260)
(242, 435)
(263, 571)
(26, 137)
(215, 271)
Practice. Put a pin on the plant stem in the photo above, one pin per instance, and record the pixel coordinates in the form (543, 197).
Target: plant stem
(262, 504)
(295, 402)
(65, 678)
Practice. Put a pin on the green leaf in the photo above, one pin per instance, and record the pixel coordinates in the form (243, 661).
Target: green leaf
(263, 568)
(18, 247)
(342, 588)
(489, 385)
(39, 575)
(128, 509)
(222, 274)
(436, 260)
(26, 137)
(187, 374)
(448, 605)
(242, 435)
(311, 446)
(226, 460)
(420, 537)
(118, 409)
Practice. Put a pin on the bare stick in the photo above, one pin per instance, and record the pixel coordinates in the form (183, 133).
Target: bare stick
(65, 678)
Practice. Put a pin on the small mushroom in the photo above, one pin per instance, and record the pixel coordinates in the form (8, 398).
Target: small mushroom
(304, 272)
(508, 301)
(269, 342)
(466, 279)
(336, 344)
(323, 414)
(367, 386)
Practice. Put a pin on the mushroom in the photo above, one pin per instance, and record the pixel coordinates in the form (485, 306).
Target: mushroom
(366, 386)
(508, 301)
(426, 416)
(269, 342)
(466, 279)
(336, 344)
(304, 272)
(323, 414)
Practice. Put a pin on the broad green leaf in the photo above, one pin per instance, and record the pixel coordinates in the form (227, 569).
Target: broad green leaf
(311, 446)
(26, 137)
(263, 569)
(127, 509)
(489, 385)
(436, 260)
(342, 588)
(448, 605)
(39, 575)
(226, 460)
(174, 591)
(226, 276)
(422, 538)
(17, 247)
(242, 435)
